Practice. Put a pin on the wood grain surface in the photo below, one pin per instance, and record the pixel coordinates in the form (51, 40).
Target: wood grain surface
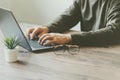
(91, 63)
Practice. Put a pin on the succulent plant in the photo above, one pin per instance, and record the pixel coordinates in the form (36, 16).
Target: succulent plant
(11, 42)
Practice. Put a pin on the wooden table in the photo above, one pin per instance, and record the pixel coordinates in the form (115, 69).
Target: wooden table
(91, 63)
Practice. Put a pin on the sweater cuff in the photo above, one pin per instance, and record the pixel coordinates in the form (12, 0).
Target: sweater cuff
(50, 29)
(74, 39)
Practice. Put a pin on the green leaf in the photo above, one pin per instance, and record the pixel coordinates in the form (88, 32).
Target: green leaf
(11, 42)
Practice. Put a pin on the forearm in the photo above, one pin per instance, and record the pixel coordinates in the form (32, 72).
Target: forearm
(104, 36)
(67, 20)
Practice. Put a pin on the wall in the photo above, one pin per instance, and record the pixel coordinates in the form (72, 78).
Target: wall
(4, 4)
(36, 11)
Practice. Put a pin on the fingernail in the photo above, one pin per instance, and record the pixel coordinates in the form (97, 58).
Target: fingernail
(47, 41)
(44, 44)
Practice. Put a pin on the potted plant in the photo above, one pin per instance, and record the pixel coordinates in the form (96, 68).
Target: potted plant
(11, 50)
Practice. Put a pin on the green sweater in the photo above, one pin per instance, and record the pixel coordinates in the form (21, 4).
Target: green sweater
(100, 22)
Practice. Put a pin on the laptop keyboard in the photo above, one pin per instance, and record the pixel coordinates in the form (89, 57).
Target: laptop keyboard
(35, 44)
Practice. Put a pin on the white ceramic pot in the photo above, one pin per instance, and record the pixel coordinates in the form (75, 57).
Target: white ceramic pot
(11, 55)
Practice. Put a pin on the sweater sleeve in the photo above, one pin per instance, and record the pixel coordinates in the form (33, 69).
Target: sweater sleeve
(108, 35)
(67, 20)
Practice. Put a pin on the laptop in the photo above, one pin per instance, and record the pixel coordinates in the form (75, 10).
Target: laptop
(9, 27)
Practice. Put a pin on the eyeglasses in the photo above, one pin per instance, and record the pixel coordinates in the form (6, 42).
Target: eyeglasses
(71, 49)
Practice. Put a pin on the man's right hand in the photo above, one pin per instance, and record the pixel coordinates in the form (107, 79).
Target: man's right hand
(39, 31)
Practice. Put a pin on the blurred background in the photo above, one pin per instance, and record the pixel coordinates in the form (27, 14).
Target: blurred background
(39, 12)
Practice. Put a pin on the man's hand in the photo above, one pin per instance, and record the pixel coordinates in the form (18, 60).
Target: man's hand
(39, 31)
(54, 38)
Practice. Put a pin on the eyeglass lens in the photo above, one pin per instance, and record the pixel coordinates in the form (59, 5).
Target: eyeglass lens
(71, 49)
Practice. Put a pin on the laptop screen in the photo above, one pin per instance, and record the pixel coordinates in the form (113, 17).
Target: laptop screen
(10, 27)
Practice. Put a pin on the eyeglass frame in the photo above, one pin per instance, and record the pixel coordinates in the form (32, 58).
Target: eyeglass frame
(66, 48)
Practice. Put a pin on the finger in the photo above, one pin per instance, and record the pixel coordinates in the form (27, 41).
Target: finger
(29, 31)
(45, 39)
(35, 32)
(48, 43)
(42, 37)
(41, 34)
